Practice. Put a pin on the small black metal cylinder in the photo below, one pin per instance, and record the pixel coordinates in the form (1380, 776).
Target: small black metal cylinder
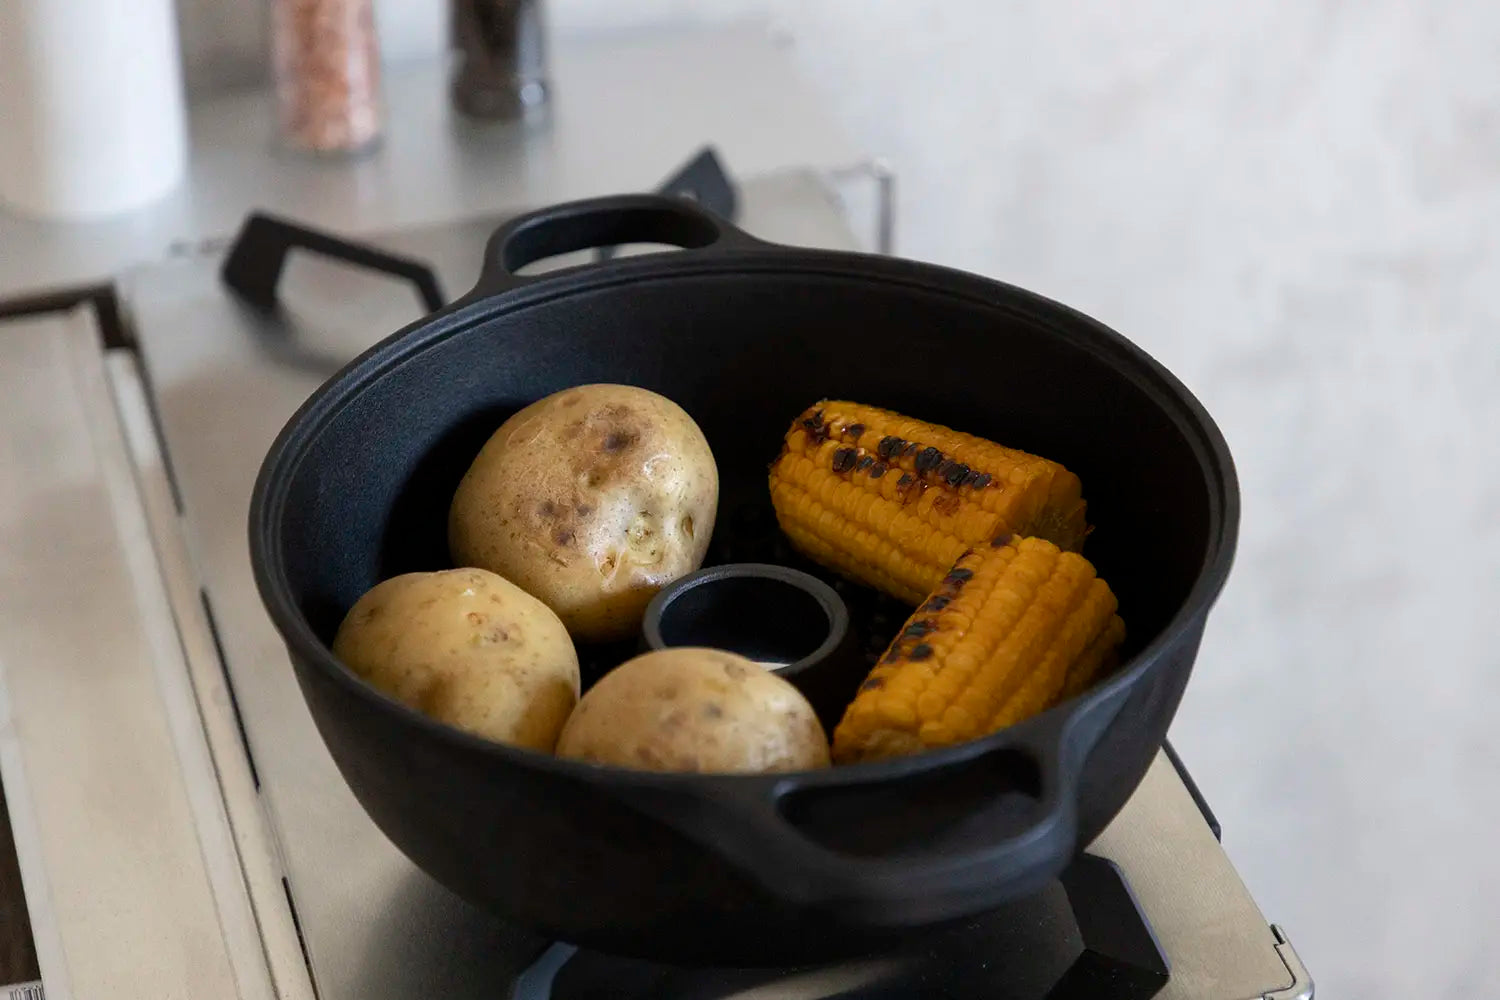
(788, 621)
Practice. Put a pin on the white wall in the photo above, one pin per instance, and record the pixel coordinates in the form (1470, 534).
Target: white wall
(1295, 205)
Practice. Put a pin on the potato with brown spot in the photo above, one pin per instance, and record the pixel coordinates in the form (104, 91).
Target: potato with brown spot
(592, 499)
(467, 648)
(694, 709)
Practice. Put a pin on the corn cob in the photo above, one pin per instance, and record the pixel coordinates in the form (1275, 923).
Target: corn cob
(893, 502)
(1099, 659)
(1003, 635)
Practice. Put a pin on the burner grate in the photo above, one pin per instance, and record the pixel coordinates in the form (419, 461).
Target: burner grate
(258, 254)
(1081, 938)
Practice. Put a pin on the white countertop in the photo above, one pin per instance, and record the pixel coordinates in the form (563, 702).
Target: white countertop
(627, 108)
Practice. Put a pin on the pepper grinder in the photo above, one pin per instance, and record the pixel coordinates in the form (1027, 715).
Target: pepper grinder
(502, 60)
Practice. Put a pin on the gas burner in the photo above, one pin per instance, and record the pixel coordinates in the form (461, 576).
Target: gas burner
(1082, 938)
(200, 360)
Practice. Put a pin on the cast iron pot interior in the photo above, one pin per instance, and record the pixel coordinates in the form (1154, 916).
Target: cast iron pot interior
(744, 335)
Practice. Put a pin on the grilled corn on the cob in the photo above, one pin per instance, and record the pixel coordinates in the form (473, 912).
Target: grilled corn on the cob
(1011, 628)
(892, 502)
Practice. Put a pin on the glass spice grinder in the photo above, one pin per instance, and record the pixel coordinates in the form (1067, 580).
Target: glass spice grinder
(326, 63)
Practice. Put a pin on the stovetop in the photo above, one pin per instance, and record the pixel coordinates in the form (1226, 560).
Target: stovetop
(307, 894)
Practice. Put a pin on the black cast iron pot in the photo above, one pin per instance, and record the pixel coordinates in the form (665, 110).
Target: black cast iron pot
(744, 335)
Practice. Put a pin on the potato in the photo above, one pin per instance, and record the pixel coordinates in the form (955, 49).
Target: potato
(692, 709)
(467, 648)
(592, 499)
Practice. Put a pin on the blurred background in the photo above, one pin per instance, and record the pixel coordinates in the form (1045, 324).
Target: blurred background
(1295, 205)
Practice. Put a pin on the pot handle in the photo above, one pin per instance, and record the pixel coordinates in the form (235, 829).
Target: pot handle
(915, 888)
(754, 831)
(601, 222)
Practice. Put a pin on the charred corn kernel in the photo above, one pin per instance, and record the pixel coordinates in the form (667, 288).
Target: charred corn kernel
(849, 474)
(1039, 621)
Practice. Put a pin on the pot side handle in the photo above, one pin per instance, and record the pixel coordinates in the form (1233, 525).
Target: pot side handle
(921, 886)
(766, 831)
(601, 222)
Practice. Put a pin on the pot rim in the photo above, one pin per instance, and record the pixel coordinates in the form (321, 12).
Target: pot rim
(1045, 730)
